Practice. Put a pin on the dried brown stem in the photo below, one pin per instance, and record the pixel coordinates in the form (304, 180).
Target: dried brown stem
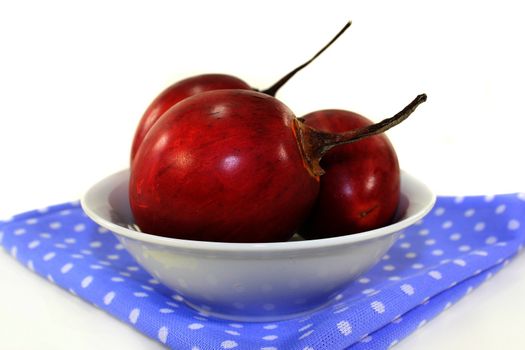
(316, 143)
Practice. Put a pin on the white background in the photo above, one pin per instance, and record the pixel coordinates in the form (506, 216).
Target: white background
(76, 77)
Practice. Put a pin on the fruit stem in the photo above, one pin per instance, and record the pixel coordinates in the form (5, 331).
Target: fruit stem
(272, 90)
(315, 143)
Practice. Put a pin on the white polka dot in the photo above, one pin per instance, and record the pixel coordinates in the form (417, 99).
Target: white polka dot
(177, 297)
(489, 198)
(389, 267)
(65, 212)
(50, 279)
(407, 289)
(108, 298)
(95, 244)
(364, 280)
(437, 252)
(394, 278)
(460, 262)
(500, 209)
(230, 332)
(447, 224)
(79, 227)
(513, 224)
(95, 267)
(410, 255)
(430, 241)
(306, 334)
(458, 199)
(479, 252)
(455, 236)
(491, 240)
(385, 257)
(378, 306)
(464, 248)
(166, 310)
(162, 334)
(33, 244)
(469, 213)
(60, 245)
(70, 240)
(19, 231)
(49, 256)
(140, 294)
(344, 327)
(195, 326)
(113, 257)
(422, 323)
(30, 265)
(480, 226)
(417, 266)
(270, 337)
(469, 290)
(45, 235)
(134, 315)
(369, 291)
(153, 281)
(236, 325)
(77, 256)
(424, 232)
(405, 245)
(86, 281)
(439, 211)
(119, 246)
(102, 230)
(55, 225)
(66, 268)
(435, 275)
(31, 221)
(228, 344)
(521, 196)
(302, 329)
(272, 326)
(117, 279)
(268, 348)
(397, 319)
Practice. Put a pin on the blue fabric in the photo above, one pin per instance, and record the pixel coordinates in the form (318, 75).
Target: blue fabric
(435, 263)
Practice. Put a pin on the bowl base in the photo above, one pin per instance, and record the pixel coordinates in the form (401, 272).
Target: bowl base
(258, 318)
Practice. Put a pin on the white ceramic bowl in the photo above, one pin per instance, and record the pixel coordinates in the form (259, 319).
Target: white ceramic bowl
(252, 282)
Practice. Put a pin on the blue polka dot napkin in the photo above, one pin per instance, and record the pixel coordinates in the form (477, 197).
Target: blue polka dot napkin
(454, 249)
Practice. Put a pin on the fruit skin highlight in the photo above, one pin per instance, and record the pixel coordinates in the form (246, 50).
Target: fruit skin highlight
(233, 166)
(360, 189)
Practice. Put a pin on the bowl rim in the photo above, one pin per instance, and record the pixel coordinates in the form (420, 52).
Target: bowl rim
(425, 207)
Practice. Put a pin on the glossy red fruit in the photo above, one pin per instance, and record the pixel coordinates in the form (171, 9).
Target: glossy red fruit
(206, 82)
(232, 166)
(360, 189)
(218, 166)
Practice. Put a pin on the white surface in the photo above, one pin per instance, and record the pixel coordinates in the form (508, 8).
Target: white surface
(75, 78)
(322, 268)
